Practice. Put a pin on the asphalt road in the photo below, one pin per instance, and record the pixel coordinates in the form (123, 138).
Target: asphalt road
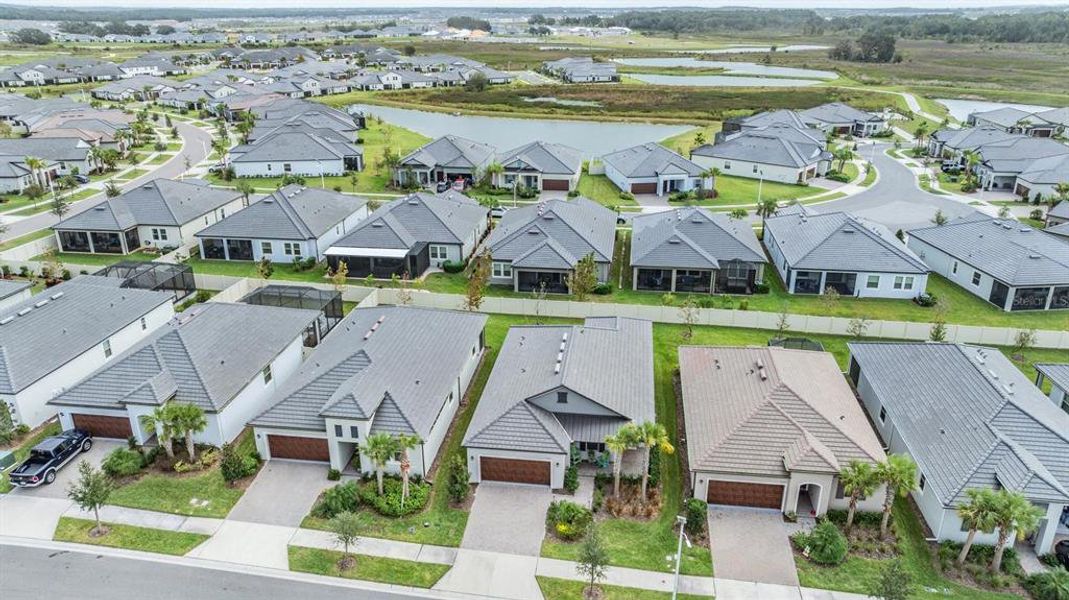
(198, 143)
(35, 573)
(895, 201)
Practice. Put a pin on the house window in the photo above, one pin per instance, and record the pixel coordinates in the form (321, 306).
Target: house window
(266, 374)
(755, 168)
(903, 282)
(438, 252)
(954, 268)
(287, 167)
(562, 397)
(268, 166)
(159, 234)
(920, 484)
(265, 248)
(354, 432)
(205, 220)
(502, 269)
(338, 431)
(976, 278)
(144, 324)
(872, 282)
(107, 348)
(727, 166)
(883, 415)
(291, 249)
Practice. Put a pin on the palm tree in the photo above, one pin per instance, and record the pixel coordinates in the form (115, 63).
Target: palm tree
(1062, 192)
(899, 473)
(93, 156)
(972, 160)
(36, 167)
(767, 208)
(858, 479)
(921, 132)
(1013, 512)
(246, 190)
(379, 448)
(625, 439)
(492, 169)
(842, 154)
(710, 173)
(159, 421)
(978, 513)
(652, 436)
(406, 443)
(188, 420)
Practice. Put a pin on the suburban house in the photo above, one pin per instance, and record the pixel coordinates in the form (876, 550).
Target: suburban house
(1058, 215)
(537, 246)
(772, 428)
(816, 251)
(653, 169)
(447, 158)
(412, 234)
(162, 213)
(556, 390)
(14, 292)
(395, 370)
(142, 87)
(295, 150)
(64, 156)
(541, 166)
(1029, 166)
(776, 152)
(293, 223)
(228, 359)
(764, 119)
(1005, 262)
(993, 429)
(1001, 162)
(695, 250)
(1013, 120)
(581, 69)
(1039, 180)
(1058, 375)
(952, 144)
(51, 341)
(842, 119)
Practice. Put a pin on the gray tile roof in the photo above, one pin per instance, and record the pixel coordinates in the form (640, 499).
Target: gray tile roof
(692, 238)
(973, 137)
(1050, 170)
(204, 356)
(607, 360)
(1060, 210)
(1059, 116)
(970, 418)
(9, 288)
(770, 411)
(772, 117)
(555, 234)
(450, 151)
(650, 160)
(1019, 154)
(545, 157)
(57, 149)
(76, 316)
(294, 141)
(1007, 116)
(449, 218)
(399, 374)
(1057, 373)
(290, 213)
(1009, 251)
(836, 113)
(158, 202)
(839, 242)
(782, 145)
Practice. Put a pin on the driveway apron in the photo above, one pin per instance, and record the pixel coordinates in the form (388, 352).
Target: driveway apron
(508, 518)
(751, 544)
(282, 494)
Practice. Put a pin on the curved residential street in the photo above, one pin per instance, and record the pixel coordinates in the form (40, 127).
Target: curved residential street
(197, 144)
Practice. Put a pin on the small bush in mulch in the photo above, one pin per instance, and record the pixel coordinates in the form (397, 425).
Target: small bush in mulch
(567, 520)
(631, 504)
(975, 571)
(825, 545)
(864, 537)
(1052, 585)
(389, 504)
(123, 462)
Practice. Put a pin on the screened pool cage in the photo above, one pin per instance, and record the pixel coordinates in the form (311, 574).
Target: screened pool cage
(327, 302)
(157, 276)
(797, 343)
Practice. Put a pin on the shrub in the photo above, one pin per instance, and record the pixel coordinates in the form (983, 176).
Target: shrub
(603, 289)
(202, 296)
(926, 299)
(1050, 559)
(761, 288)
(627, 196)
(827, 545)
(568, 519)
(571, 479)
(160, 147)
(22, 429)
(122, 462)
(389, 503)
(1052, 585)
(861, 518)
(451, 266)
(573, 193)
(235, 466)
(696, 513)
(338, 499)
(333, 475)
(292, 179)
(457, 479)
(597, 500)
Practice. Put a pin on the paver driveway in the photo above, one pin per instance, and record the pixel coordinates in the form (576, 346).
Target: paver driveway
(58, 488)
(282, 494)
(509, 518)
(750, 544)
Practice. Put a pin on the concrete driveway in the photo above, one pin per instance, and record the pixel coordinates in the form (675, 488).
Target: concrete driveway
(58, 488)
(750, 544)
(508, 518)
(282, 493)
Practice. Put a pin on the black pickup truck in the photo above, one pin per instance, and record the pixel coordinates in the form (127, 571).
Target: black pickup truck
(49, 456)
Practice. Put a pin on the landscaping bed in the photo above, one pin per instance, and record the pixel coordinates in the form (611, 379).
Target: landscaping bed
(145, 539)
(367, 568)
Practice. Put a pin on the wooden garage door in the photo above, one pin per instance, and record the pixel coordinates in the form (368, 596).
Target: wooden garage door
(300, 448)
(514, 470)
(106, 427)
(555, 184)
(644, 188)
(745, 494)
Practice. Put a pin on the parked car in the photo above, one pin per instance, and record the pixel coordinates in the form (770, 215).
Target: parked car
(950, 166)
(443, 186)
(81, 178)
(498, 211)
(49, 456)
(216, 168)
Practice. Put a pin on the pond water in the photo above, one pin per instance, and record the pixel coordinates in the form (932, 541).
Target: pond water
(960, 109)
(745, 49)
(590, 137)
(741, 68)
(722, 80)
(562, 101)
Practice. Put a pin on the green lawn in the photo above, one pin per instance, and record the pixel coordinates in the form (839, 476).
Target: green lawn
(159, 159)
(242, 268)
(566, 589)
(368, 568)
(174, 146)
(23, 450)
(13, 202)
(146, 539)
(132, 174)
(98, 260)
(603, 191)
(857, 574)
(202, 494)
(870, 177)
(45, 204)
(24, 239)
(684, 142)
(851, 170)
(742, 190)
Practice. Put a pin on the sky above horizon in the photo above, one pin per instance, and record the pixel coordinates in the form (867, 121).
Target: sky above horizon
(534, 5)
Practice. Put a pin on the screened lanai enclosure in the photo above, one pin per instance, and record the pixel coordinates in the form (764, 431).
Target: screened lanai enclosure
(156, 276)
(327, 302)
